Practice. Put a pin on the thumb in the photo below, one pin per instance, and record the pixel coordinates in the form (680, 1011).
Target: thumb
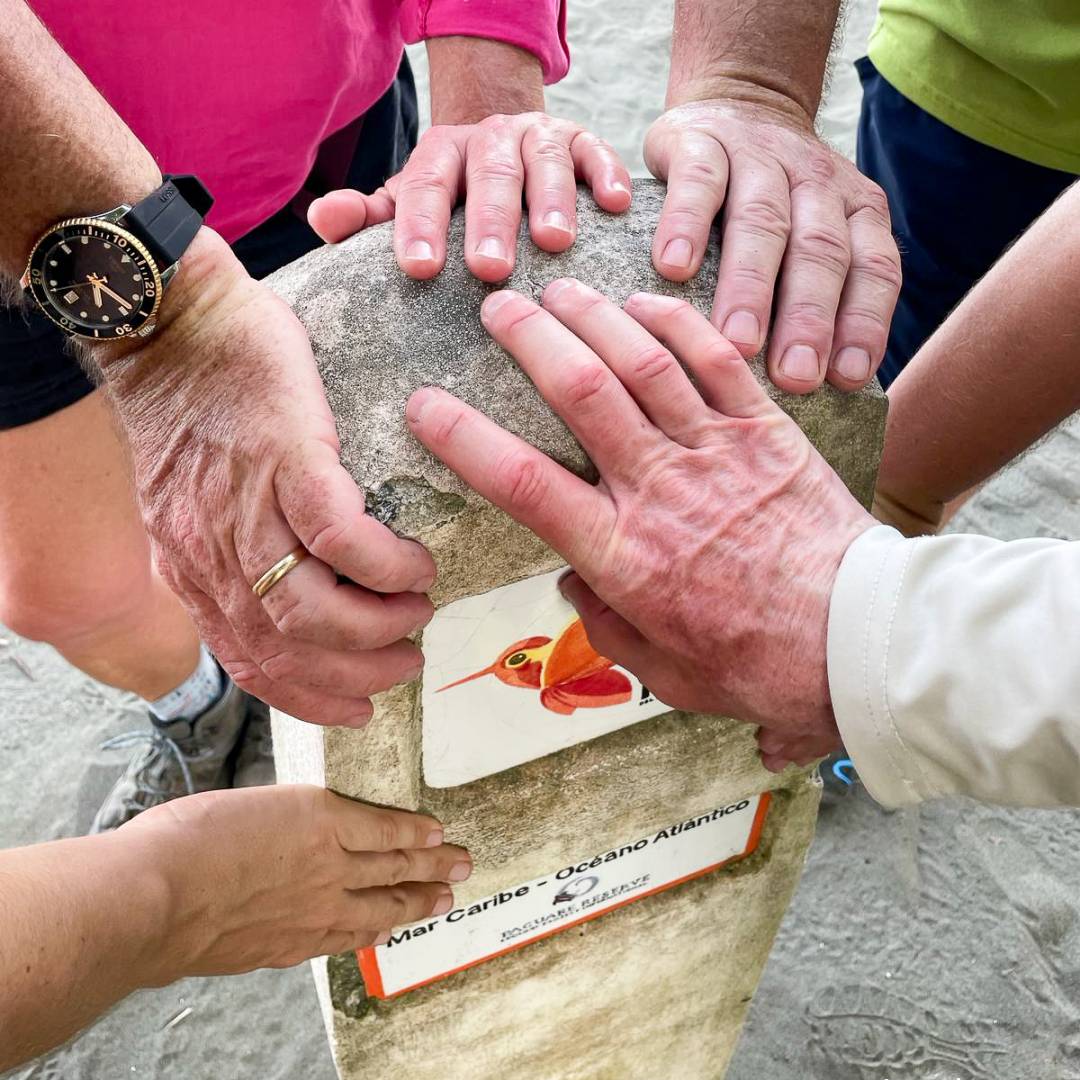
(608, 632)
(339, 214)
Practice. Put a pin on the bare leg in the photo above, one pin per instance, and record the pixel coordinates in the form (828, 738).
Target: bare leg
(76, 570)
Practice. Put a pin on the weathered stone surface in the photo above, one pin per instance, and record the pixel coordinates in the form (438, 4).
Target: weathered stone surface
(660, 987)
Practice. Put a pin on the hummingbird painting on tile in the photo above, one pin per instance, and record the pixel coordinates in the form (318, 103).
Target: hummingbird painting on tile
(569, 673)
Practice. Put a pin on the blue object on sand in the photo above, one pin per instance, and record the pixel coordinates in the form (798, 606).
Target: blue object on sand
(839, 767)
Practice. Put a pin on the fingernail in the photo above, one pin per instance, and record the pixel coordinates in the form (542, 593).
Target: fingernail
(420, 250)
(677, 253)
(852, 364)
(358, 722)
(556, 219)
(743, 328)
(459, 871)
(561, 287)
(496, 300)
(434, 838)
(800, 363)
(618, 185)
(414, 671)
(443, 904)
(491, 247)
(418, 404)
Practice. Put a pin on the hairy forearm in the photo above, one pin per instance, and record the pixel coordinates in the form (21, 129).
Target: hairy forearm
(724, 48)
(66, 152)
(999, 373)
(78, 931)
(472, 78)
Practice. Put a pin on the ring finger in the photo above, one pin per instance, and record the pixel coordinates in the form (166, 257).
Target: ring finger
(651, 374)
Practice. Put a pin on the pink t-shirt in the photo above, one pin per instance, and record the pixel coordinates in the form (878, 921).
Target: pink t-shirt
(242, 93)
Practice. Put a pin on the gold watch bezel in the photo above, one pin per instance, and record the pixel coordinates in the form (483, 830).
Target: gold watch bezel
(145, 262)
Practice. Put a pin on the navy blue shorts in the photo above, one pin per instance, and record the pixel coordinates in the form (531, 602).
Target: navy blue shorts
(956, 205)
(39, 376)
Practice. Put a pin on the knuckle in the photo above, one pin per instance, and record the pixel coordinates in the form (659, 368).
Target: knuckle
(397, 904)
(588, 141)
(550, 151)
(825, 247)
(767, 216)
(516, 317)
(522, 481)
(384, 831)
(875, 201)
(426, 178)
(245, 674)
(651, 362)
(585, 385)
(501, 217)
(282, 665)
(821, 165)
(425, 220)
(813, 317)
(326, 540)
(880, 265)
(444, 428)
(296, 617)
(749, 278)
(721, 356)
(496, 170)
(400, 867)
(703, 171)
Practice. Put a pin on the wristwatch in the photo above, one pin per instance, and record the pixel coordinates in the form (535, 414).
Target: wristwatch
(102, 276)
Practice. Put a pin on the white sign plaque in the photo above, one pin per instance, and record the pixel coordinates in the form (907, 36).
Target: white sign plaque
(510, 676)
(583, 889)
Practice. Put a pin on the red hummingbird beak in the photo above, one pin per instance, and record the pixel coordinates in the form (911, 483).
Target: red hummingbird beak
(490, 670)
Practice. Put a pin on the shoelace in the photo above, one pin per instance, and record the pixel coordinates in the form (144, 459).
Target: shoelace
(162, 745)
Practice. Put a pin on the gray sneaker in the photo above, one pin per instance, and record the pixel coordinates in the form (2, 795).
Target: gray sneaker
(255, 760)
(176, 758)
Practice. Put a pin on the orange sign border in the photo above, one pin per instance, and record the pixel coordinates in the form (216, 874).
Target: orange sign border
(369, 963)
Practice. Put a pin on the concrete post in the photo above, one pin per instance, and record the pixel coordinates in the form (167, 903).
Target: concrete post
(577, 794)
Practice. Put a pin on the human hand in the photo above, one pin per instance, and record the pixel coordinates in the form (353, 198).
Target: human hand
(272, 876)
(913, 515)
(489, 164)
(802, 229)
(235, 462)
(705, 557)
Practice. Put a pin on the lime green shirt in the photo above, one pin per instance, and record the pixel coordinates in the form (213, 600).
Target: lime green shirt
(1003, 72)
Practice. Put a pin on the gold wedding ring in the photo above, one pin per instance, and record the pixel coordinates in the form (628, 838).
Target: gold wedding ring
(279, 570)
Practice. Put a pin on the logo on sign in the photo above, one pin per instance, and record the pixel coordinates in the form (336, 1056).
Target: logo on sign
(576, 889)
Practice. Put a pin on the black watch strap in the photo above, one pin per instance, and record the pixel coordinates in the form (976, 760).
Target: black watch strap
(167, 220)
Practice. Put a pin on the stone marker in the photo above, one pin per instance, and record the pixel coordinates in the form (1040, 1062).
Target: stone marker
(574, 790)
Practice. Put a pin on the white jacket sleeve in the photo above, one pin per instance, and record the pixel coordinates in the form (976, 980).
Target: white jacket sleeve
(954, 667)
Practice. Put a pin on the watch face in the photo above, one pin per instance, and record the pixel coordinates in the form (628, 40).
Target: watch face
(94, 279)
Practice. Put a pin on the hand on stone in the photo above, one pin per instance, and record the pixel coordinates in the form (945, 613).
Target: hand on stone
(803, 231)
(235, 461)
(272, 876)
(489, 165)
(705, 557)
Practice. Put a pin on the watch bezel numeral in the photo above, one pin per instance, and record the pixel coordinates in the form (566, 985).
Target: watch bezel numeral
(111, 233)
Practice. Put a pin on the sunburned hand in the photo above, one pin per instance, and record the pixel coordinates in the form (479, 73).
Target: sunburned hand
(489, 165)
(803, 231)
(704, 559)
(235, 461)
(272, 876)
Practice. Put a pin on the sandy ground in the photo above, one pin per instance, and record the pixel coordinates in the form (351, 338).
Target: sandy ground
(938, 944)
